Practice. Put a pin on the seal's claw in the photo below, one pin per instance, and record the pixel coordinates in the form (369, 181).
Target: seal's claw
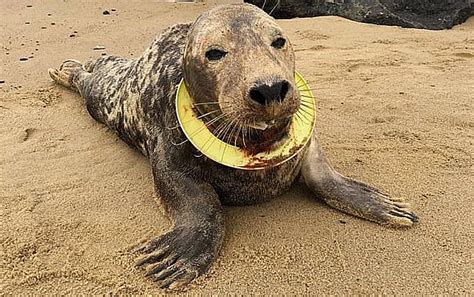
(158, 267)
(405, 214)
(164, 284)
(181, 280)
(150, 258)
(162, 275)
(178, 257)
(178, 280)
(367, 202)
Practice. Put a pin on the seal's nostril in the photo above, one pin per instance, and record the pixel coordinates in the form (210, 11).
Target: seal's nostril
(284, 90)
(264, 94)
(257, 96)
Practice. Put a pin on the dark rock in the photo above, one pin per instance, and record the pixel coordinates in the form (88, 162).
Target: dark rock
(23, 59)
(2, 81)
(72, 35)
(105, 12)
(422, 14)
(29, 5)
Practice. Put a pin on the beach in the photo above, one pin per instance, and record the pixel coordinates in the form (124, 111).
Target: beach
(394, 109)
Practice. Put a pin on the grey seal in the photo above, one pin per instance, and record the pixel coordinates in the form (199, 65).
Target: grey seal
(238, 66)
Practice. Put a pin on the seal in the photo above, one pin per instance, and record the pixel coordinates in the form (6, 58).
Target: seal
(238, 67)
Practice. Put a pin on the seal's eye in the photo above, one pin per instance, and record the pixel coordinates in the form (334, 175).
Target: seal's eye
(279, 43)
(215, 54)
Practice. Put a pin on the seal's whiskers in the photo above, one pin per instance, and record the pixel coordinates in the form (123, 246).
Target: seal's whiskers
(231, 127)
(210, 103)
(238, 132)
(199, 117)
(203, 116)
(199, 130)
(217, 132)
(306, 105)
(223, 128)
(277, 3)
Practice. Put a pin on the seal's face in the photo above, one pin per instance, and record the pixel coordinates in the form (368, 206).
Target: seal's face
(239, 67)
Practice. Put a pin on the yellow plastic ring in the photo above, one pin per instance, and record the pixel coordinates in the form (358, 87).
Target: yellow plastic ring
(301, 129)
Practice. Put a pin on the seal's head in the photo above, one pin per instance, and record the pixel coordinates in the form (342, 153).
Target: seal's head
(239, 65)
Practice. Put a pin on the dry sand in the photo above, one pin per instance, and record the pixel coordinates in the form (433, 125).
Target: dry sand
(395, 109)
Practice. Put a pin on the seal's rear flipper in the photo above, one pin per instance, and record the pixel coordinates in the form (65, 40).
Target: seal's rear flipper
(68, 73)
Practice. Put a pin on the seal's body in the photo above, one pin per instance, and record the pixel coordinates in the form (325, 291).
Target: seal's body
(214, 55)
(136, 98)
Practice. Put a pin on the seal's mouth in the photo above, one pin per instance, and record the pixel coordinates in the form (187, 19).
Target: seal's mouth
(266, 135)
(263, 125)
(252, 135)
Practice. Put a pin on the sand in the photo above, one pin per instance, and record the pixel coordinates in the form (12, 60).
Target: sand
(395, 109)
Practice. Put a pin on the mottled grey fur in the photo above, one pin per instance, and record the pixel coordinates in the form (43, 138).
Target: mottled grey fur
(136, 98)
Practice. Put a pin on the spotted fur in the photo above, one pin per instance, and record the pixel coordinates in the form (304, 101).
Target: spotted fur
(136, 98)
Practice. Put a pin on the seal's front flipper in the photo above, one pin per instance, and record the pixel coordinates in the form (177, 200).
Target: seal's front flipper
(179, 256)
(191, 246)
(351, 196)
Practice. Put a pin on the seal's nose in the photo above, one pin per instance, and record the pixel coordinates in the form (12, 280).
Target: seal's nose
(264, 94)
